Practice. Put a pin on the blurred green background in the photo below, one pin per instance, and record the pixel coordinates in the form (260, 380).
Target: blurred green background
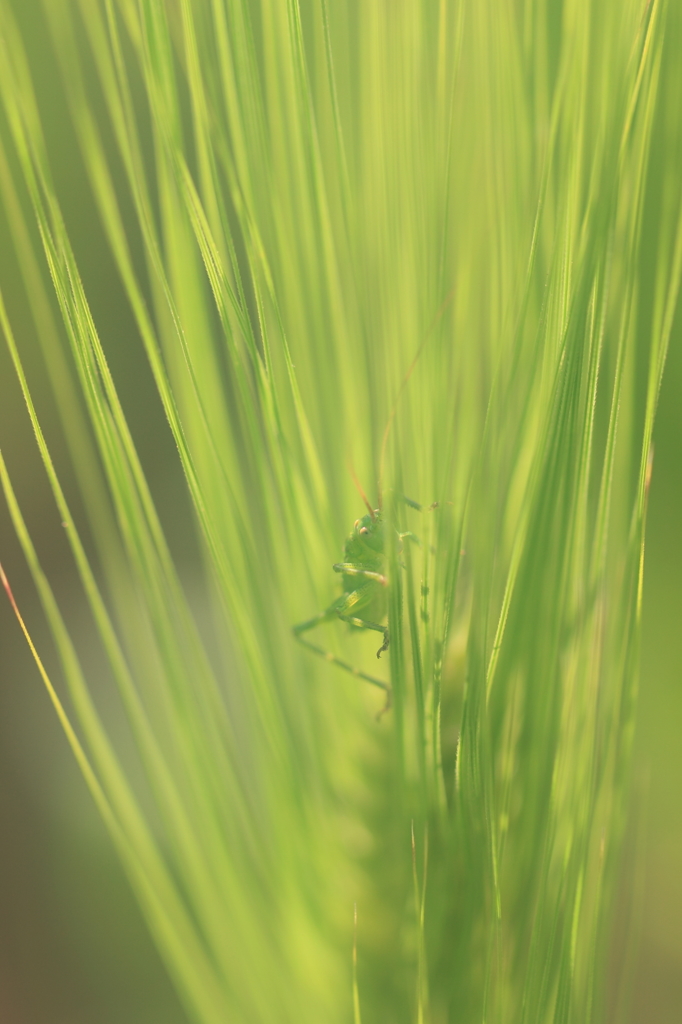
(73, 947)
(657, 977)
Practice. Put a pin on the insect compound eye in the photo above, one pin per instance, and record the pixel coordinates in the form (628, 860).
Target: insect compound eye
(364, 530)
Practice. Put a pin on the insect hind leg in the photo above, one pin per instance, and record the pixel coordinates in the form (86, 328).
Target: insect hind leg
(366, 624)
(326, 616)
(345, 665)
(420, 508)
(316, 620)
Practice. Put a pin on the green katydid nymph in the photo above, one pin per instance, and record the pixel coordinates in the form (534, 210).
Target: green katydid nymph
(363, 602)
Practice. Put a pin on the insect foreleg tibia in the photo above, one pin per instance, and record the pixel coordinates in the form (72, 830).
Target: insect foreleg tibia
(408, 535)
(417, 507)
(351, 569)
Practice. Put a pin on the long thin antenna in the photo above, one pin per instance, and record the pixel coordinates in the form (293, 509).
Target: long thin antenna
(389, 423)
(362, 494)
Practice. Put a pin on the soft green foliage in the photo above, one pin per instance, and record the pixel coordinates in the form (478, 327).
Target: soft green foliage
(402, 238)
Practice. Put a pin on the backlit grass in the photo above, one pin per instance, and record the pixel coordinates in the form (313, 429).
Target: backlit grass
(393, 240)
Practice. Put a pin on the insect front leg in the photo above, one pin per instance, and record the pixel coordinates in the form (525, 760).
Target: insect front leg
(408, 535)
(351, 569)
(420, 508)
